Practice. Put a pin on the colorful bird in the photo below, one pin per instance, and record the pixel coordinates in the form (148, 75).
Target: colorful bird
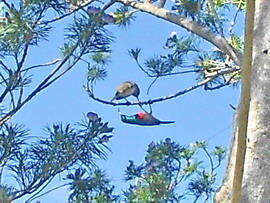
(143, 118)
(125, 90)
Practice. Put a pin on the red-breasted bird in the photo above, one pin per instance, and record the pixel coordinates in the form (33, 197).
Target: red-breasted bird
(143, 118)
(125, 90)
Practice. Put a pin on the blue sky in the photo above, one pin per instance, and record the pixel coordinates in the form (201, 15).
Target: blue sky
(198, 115)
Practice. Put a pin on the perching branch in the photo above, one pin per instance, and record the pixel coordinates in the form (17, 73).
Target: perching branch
(159, 99)
(151, 101)
(192, 26)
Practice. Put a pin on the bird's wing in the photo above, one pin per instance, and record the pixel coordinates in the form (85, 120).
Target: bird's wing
(124, 87)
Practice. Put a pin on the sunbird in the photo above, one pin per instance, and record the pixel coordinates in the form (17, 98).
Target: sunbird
(143, 118)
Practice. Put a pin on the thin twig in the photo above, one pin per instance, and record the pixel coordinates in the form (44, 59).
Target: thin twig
(234, 21)
(210, 159)
(152, 83)
(33, 197)
(67, 14)
(42, 65)
(221, 85)
(6, 68)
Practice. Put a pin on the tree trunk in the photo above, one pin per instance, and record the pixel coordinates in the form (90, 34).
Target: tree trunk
(256, 185)
(256, 179)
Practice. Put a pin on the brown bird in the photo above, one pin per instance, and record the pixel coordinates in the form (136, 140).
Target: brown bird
(127, 89)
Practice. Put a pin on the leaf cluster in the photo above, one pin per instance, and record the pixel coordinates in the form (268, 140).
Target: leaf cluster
(123, 16)
(166, 64)
(64, 148)
(90, 187)
(167, 165)
(22, 28)
(88, 34)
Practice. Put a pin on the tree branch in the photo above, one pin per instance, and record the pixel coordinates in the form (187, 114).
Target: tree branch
(151, 101)
(190, 25)
(67, 14)
(37, 196)
(242, 121)
(160, 99)
(39, 87)
(42, 65)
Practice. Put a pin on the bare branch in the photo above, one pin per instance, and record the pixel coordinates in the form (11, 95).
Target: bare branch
(4, 66)
(151, 101)
(160, 99)
(233, 22)
(221, 85)
(37, 196)
(152, 83)
(3, 95)
(42, 65)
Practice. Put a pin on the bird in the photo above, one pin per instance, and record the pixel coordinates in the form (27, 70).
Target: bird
(144, 119)
(92, 116)
(93, 10)
(105, 138)
(108, 18)
(4, 15)
(125, 90)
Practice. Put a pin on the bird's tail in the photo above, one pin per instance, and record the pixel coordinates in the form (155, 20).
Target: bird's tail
(166, 122)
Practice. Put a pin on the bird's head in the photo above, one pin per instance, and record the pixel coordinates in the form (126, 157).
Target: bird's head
(92, 116)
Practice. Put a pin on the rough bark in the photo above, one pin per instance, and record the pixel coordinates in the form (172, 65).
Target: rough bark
(256, 178)
(256, 185)
(224, 195)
